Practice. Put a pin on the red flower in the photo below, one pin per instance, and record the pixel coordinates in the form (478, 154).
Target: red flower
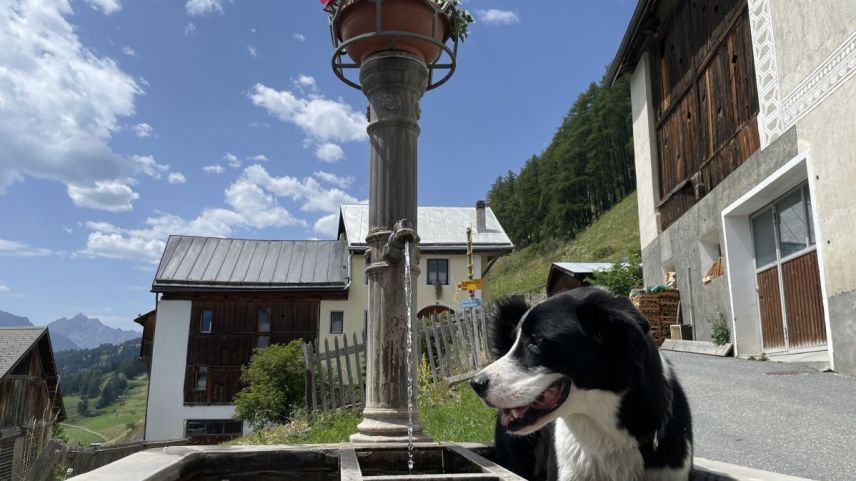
(326, 3)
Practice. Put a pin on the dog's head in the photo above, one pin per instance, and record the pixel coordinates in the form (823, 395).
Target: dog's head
(552, 355)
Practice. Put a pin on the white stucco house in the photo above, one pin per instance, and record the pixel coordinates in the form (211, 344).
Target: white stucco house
(219, 299)
(743, 118)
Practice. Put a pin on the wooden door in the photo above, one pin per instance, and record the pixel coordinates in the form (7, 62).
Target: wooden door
(803, 302)
(770, 301)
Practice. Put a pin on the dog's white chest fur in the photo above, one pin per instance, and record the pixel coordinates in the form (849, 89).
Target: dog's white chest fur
(585, 453)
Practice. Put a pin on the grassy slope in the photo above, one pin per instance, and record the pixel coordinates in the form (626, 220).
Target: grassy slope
(110, 421)
(611, 238)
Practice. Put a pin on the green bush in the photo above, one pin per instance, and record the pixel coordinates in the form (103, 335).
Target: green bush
(719, 333)
(620, 278)
(274, 382)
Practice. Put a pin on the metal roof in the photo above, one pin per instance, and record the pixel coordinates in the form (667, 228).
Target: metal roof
(211, 263)
(439, 228)
(15, 342)
(583, 267)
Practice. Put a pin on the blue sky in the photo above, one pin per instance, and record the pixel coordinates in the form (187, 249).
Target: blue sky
(122, 121)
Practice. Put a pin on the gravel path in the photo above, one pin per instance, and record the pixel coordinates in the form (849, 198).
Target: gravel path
(784, 418)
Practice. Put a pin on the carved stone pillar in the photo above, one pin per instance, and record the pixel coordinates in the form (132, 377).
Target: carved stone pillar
(393, 82)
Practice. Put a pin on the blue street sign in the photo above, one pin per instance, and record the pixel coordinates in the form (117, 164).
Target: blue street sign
(470, 303)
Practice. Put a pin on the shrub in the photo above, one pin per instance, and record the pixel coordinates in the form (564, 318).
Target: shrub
(719, 333)
(274, 382)
(621, 277)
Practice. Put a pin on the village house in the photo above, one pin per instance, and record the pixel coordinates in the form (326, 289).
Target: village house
(30, 399)
(564, 276)
(743, 118)
(219, 299)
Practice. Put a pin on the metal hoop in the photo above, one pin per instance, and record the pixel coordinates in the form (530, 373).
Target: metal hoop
(339, 65)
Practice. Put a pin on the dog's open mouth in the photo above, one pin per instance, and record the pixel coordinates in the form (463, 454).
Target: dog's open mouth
(548, 401)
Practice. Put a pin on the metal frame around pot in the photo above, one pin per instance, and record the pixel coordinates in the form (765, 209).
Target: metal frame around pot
(339, 64)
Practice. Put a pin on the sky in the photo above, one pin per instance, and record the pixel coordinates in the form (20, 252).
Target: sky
(125, 121)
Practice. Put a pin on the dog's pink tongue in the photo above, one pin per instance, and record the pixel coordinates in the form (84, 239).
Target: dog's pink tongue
(509, 415)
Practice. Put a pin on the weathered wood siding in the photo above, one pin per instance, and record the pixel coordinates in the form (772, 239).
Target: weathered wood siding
(706, 101)
(24, 394)
(804, 302)
(233, 338)
(770, 300)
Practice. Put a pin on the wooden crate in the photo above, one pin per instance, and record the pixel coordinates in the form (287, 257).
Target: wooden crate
(662, 309)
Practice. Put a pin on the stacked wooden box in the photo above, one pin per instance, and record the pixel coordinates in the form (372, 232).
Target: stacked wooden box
(662, 310)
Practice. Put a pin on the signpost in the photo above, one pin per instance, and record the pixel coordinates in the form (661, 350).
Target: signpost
(468, 303)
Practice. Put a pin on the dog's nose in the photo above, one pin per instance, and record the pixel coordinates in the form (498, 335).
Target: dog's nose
(479, 384)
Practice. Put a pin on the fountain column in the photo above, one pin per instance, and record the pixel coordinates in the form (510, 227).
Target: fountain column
(393, 82)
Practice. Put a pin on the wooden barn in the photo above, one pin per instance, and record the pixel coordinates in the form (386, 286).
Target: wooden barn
(565, 276)
(30, 399)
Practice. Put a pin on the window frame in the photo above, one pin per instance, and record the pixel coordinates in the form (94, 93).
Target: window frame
(811, 240)
(440, 261)
(202, 321)
(342, 331)
(201, 374)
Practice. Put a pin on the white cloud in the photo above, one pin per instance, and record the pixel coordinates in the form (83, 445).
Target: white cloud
(109, 195)
(494, 16)
(322, 119)
(213, 169)
(338, 181)
(258, 158)
(106, 6)
(232, 160)
(257, 207)
(190, 29)
(143, 130)
(148, 166)
(252, 49)
(298, 36)
(176, 178)
(306, 82)
(329, 152)
(4, 288)
(327, 225)
(127, 50)
(313, 197)
(19, 249)
(59, 102)
(204, 7)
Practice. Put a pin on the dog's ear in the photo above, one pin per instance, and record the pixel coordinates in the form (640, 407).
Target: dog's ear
(506, 314)
(613, 319)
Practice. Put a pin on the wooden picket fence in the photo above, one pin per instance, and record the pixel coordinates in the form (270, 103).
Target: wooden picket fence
(453, 345)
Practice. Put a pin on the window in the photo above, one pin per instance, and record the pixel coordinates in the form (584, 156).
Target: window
(784, 228)
(438, 271)
(201, 378)
(264, 319)
(207, 427)
(206, 320)
(337, 322)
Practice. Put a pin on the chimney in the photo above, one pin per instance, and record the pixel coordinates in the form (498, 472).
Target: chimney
(481, 222)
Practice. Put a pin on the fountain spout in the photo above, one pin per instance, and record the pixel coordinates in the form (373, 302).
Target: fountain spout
(403, 232)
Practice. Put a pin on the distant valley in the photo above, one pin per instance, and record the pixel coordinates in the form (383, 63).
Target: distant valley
(78, 332)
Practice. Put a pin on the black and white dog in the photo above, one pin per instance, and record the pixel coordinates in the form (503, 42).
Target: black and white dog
(582, 392)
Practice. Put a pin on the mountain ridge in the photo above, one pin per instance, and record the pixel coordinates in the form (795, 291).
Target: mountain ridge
(77, 332)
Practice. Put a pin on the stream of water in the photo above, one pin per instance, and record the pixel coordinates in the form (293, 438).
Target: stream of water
(408, 288)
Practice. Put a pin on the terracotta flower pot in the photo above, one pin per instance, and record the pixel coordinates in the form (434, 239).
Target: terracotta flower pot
(358, 17)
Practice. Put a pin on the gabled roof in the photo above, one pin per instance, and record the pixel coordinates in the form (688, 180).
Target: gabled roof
(581, 267)
(16, 342)
(439, 229)
(642, 24)
(215, 264)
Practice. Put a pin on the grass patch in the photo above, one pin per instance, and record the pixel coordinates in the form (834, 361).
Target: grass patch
(78, 436)
(449, 414)
(112, 420)
(614, 236)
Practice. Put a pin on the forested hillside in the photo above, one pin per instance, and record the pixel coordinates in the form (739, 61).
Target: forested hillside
(586, 169)
(100, 372)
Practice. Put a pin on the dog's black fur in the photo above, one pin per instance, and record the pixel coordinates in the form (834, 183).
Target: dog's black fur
(600, 342)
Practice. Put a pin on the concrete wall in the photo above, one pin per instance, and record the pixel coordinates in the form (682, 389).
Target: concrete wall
(815, 46)
(644, 151)
(426, 295)
(165, 412)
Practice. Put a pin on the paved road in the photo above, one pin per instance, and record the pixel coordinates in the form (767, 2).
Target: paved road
(784, 418)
